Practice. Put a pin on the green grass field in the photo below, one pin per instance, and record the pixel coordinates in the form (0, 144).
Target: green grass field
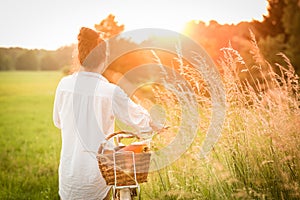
(29, 143)
(257, 156)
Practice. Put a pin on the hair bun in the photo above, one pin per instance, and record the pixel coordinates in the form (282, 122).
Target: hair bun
(87, 34)
(88, 39)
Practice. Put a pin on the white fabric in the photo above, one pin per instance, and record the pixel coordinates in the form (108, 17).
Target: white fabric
(85, 108)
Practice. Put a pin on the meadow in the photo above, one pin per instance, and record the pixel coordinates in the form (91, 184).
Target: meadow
(29, 143)
(257, 157)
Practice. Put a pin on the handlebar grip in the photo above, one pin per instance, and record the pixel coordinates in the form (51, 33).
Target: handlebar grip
(101, 147)
(122, 132)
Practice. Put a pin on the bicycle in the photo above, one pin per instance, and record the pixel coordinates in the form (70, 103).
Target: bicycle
(125, 167)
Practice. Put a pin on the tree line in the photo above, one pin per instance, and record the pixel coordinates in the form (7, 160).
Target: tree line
(35, 59)
(278, 32)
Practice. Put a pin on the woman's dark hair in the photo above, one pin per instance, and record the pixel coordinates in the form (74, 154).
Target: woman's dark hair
(91, 48)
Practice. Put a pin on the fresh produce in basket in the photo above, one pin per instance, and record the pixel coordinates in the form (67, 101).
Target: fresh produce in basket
(126, 165)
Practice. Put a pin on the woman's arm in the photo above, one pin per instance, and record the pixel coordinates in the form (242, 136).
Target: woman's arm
(131, 113)
(56, 108)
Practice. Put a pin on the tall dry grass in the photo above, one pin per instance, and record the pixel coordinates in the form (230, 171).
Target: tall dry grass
(258, 155)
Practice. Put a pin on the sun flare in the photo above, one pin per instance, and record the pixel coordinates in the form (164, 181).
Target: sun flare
(68, 16)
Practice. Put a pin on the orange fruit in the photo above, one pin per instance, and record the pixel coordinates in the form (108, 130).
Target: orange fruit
(136, 148)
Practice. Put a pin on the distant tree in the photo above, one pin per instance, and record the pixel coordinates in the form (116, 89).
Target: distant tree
(291, 24)
(109, 27)
(28, 61)
(272, 23)
(63, 56)
(279, 32)
(291, 17)
(270, 46)
(207, 36)
(270, 32)
(24, 59)
(214, 36)
(48, 62)
(8, 57)
(6, 62)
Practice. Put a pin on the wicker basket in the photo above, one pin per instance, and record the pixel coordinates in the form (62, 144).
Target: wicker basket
(123, 168)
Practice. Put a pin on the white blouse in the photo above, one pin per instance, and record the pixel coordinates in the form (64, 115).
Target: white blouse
(85, 108)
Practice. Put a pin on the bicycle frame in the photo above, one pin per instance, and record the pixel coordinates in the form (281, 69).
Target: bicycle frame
(125, 190)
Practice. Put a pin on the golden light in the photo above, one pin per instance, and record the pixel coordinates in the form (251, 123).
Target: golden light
(64, 19)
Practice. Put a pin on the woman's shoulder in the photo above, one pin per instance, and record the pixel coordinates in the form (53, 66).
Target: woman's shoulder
(66, 82)
(106, 88)
(67, 78)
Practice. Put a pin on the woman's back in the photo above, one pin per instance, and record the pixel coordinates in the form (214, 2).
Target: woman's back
(83, 103)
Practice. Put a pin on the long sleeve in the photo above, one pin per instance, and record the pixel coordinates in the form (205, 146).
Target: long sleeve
(56, 108)
(131, 113)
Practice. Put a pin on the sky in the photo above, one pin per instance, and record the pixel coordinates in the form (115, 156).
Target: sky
(50, 24)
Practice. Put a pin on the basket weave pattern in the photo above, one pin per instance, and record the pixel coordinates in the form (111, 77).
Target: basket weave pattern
(124, 167)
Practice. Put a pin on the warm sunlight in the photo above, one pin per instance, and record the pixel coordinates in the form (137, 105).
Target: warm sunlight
(174, 15)
(51, 24)
(149, 99)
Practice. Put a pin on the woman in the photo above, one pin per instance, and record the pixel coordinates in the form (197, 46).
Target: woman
(85, 108)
